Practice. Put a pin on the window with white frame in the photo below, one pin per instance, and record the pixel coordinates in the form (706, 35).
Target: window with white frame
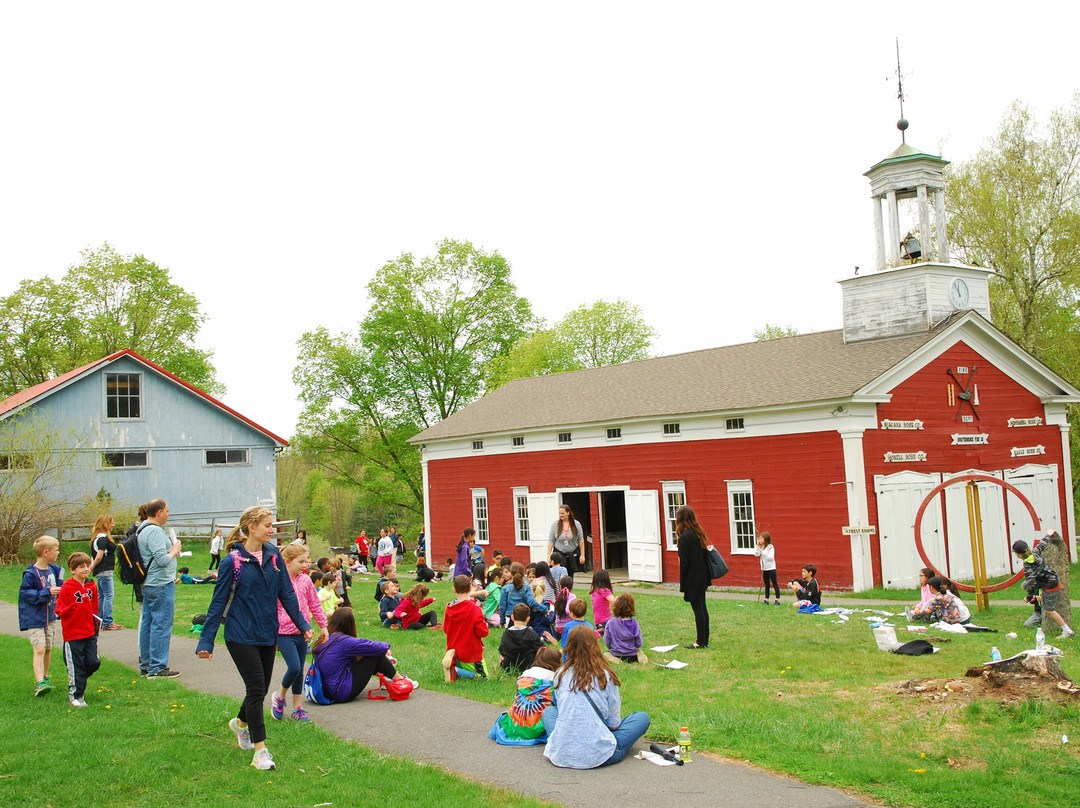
(125, 460)
(16, 462)
(741, 515)
(477, 445)
(735, 425)
(614, 433)
(228, 457)
(122, 396)
(521, 515)
(674, 498)
(671, 429)
(564, 437)
(480, 514)
(517, 440)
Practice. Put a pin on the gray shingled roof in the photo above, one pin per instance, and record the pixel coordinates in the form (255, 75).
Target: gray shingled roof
(804, 368)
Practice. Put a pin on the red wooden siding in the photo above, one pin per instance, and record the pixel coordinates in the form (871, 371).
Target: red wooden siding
(794, 495)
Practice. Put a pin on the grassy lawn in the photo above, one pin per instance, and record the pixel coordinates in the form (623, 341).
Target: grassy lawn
(791, 693)
(161, 744)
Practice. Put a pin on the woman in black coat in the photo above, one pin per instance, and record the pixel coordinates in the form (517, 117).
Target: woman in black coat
(693, 570)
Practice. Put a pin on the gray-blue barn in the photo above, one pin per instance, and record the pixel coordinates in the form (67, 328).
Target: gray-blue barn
(142, 433)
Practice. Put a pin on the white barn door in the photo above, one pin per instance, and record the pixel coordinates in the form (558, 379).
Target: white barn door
(1040, 486)
(643, 535)
(898, 498)
(995, 537)
(543, 510)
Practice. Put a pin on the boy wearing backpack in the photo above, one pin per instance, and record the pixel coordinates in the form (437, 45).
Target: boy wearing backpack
(37, 607)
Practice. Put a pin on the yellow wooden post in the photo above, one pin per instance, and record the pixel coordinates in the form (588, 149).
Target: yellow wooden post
(982, 597)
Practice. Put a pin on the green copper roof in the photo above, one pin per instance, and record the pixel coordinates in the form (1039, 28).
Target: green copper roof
(905, 153)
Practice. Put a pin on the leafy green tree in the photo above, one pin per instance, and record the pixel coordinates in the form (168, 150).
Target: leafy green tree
(107, 303)
(433, 324)
(590, 336)
(770, 331)
(37, 474)
(1015, 208)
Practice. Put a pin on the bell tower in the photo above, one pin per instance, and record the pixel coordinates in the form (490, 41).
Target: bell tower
(914, 288)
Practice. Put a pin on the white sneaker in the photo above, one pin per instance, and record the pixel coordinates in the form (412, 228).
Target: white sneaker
(243, 734)
(263, 760)
(78, 702)
(1066, 631)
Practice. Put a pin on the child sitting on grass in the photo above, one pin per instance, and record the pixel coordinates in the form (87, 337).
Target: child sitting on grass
(806, 588)
(37, 607)
(523, 724)
(517, 592)
(602, 598)
(490, 606)
(562, 602)
(577, 618)
(327, 596)
(411, 604)
(519, 643)
(424, 573)
(77, 608)
(389, 604)
(622, 635)
(944, 606)
(465, 629)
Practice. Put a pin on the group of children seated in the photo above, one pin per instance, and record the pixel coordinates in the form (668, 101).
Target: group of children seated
(534, 603)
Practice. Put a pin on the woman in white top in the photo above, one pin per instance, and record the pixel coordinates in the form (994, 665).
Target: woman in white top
(766, 553)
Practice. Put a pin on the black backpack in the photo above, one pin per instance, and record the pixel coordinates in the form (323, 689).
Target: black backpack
(129, 560)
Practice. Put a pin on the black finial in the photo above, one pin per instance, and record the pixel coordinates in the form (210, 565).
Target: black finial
(901, 124)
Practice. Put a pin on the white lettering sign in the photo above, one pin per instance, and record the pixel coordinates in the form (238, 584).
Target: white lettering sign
(967, 440)
(1025, 451)
(1025, 421)
(859, 530)
(905, 457)
(887, 424)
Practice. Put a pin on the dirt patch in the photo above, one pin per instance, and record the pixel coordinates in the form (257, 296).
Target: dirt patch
(1008, 682)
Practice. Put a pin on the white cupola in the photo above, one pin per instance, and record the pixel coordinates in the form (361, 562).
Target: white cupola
(914, 286)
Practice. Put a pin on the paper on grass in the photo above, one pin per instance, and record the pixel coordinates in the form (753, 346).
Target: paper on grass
(663, 649)
(674, 664)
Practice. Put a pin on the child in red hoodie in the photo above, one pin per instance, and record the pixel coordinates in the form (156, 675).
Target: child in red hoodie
(77, 608)
(465, 627)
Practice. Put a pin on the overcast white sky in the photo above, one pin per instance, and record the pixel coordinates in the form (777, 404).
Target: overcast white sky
(700, 160)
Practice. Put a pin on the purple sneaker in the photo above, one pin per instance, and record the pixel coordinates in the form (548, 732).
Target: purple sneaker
(277, 707)
(299, 715)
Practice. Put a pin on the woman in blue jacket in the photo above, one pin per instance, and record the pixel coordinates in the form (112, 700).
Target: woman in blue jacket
(251, 580)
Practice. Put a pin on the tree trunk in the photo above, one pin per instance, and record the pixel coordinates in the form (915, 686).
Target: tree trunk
(1041, 666)
(1056, 554)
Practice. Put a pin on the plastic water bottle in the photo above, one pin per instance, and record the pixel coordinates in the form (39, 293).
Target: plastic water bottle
(1040, 639)
(684, 744)
(995, 654)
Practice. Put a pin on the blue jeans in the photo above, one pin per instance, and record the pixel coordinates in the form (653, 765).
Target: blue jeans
(293, 651)
(629, 732)
(105, 597)
(155, 630)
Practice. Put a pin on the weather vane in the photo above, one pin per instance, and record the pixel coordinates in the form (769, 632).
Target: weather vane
(901, 124)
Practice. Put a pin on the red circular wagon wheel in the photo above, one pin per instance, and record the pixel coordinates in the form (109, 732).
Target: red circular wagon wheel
(963, 478)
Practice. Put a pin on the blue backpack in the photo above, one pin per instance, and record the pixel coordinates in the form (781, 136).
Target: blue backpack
(313, 684)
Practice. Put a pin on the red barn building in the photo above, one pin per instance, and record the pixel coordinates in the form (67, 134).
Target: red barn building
(806, 436)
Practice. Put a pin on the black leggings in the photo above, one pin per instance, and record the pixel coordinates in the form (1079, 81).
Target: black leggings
(701, 618)
(767, 576)
(363, 668)
(255, 664)
(429, 619)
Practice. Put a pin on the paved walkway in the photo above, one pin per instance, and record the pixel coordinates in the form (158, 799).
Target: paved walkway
(706, 781)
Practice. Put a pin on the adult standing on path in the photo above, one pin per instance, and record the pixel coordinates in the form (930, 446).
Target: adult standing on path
(103, 552)
(566, 536)
(159, 554)
(694, 570)
(252, 580)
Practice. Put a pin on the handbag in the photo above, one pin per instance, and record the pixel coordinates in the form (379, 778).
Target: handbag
(718, 568)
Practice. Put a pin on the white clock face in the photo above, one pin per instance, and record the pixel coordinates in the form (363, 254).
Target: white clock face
(958, 294)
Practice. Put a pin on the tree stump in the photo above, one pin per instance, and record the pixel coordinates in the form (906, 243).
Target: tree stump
(1046, 667)
(1056, 554)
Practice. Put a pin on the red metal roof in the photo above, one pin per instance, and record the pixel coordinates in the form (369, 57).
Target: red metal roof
(31, 394)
